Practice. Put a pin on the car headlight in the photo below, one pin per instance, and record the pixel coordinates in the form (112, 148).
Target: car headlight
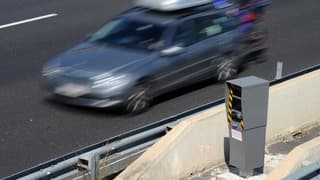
(51, 70)
(110, 81)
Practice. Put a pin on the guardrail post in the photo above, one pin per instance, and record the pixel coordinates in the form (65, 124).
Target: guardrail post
(279, 70)
(90, 163)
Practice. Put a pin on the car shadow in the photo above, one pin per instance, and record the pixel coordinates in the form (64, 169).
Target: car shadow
(116, 111)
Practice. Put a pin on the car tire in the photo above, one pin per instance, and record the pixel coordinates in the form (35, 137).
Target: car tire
(227, 68)
(139, 101)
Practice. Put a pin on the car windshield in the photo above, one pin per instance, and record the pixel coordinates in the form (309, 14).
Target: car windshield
(131, 34)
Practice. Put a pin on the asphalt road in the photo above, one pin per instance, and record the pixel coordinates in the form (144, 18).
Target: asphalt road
(33, 129)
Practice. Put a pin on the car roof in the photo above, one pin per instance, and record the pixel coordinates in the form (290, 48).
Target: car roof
(161, 17)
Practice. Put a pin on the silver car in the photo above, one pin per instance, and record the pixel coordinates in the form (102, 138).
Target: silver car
(144, 53)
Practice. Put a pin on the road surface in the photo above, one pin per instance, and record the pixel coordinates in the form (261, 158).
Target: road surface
(33, 129)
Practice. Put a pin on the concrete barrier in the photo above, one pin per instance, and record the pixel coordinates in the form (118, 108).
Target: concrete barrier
(308, 151)
(198, 142)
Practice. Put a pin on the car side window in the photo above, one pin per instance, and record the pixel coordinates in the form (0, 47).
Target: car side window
(206, 27)
(227, 23)
(212, 25)
(185, 34)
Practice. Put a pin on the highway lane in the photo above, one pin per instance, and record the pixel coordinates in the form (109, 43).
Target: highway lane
(33, 129)
(38, 41)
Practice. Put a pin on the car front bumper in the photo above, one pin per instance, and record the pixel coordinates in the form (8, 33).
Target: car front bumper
(87, 97)
(89, 101)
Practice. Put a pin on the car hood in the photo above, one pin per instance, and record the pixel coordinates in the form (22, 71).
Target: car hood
(95, 59)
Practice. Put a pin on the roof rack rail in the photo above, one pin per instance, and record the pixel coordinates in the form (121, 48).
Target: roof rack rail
(170, 5)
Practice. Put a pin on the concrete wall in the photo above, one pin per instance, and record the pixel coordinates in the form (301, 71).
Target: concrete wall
(294, 104)
(307, 152)
(198, 142)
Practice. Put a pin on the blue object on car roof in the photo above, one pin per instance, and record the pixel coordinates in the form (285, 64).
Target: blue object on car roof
(219, 4)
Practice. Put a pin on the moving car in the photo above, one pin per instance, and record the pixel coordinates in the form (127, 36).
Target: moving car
(143, 53)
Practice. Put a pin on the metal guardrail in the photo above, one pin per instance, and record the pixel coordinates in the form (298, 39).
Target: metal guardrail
(309, 172)
(117, 149)
(115, 154)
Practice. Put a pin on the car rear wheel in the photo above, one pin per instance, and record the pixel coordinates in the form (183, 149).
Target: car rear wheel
(227, 68)
(139, 101)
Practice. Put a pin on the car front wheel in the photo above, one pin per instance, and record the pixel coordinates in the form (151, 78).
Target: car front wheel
(227, 68)
(139, 101)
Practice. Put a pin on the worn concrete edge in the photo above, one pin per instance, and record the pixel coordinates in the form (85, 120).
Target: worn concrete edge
(295, 159)
(148, 160)
(284, 136)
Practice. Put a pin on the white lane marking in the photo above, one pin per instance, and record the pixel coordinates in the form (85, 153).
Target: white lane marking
(27, 20)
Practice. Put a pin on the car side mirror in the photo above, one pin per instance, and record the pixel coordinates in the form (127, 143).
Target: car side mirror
(172, 51)
(89, 35)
